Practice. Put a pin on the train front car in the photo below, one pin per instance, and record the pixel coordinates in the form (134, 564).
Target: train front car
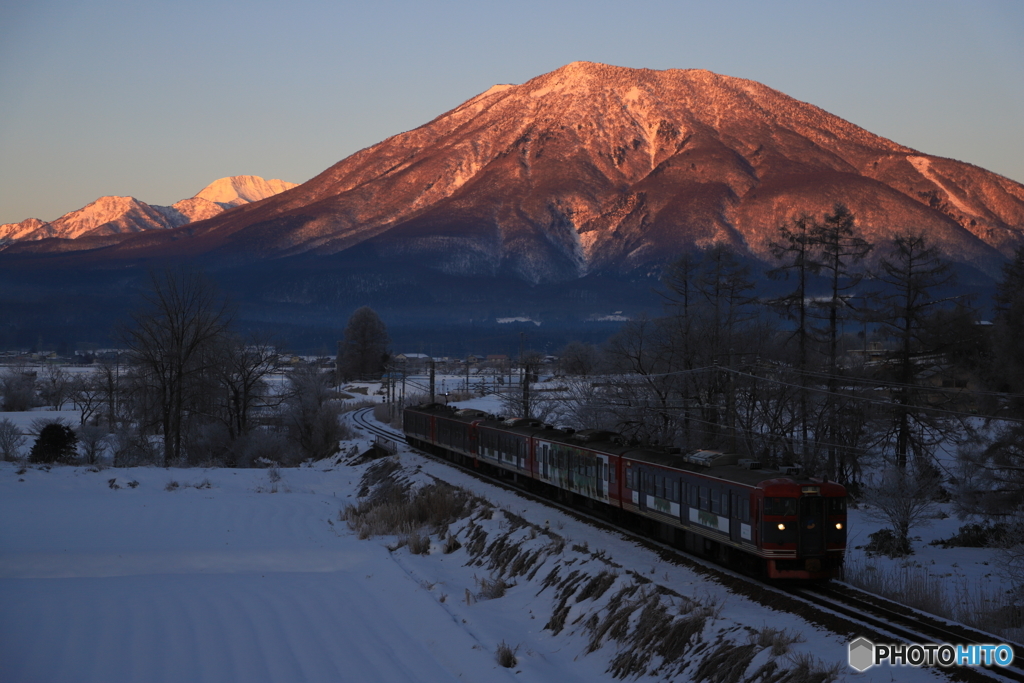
(766, 521)
(803, 527)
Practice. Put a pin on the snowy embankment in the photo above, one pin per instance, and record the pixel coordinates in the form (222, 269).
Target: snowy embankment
(118, 575)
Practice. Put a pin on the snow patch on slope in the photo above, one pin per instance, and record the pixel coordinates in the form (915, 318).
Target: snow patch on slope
(924, 167)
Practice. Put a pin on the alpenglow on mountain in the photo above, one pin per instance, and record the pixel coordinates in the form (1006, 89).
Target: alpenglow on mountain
(109, 216)
(601, 169)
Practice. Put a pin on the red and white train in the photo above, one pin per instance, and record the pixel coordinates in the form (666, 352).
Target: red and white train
(773, 522)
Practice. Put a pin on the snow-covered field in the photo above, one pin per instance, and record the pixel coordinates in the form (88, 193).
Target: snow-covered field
(235, 575)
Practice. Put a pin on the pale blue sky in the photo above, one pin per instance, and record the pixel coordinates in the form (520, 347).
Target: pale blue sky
(156, 99)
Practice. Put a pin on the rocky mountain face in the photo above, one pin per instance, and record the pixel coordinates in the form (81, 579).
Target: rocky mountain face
(558, 200)
(600, 169)
(109, 216)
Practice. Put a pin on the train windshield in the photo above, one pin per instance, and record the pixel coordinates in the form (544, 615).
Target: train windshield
(837, 506)
(780, 506)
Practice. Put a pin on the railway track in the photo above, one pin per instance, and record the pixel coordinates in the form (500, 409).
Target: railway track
(905, 624)
(836, 606)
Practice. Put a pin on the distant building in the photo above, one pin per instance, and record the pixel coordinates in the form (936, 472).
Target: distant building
(413, 361)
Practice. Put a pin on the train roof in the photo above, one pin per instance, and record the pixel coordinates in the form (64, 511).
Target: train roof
(710, 463)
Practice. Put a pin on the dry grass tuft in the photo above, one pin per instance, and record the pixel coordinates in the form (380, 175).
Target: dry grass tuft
(506, 655)
(809, 669)
(418, 544)
(779, 640)
(451, 544)
(492, 589)
(596, 587)
(727, 663)
(391, 509)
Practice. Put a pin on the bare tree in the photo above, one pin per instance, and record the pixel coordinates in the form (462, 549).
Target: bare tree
(11, 440)
(644, 404)
(912, 270)
(579, 359)
(171, 344)
(87, 393)
(839, 250)
(797, 256)
(311, 415)
(55, 385)
(364, 352)
(91, 441)
(1010, 556)
(1007, 370)
(904, 498)
(990, 481)
(241, 371)
(17, 384)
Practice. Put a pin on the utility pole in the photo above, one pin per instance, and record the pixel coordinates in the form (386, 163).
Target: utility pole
(431, 380)
(526, 390)
(522, 376)
(387, 393)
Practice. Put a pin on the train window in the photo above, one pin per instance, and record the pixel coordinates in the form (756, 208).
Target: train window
(705, 501)
(691, 492)
(716, 505)
(837, 506)
(659, 486)
(780, 506)
(613, 473)
(744, 512)
(726, 504)
(629, 479)
(675, 491)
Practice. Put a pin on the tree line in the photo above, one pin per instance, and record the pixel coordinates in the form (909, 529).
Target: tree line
(848, 369)
(192, 390)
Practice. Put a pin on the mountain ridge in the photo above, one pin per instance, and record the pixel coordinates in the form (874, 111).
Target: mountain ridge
(594, 168)
(112, 215)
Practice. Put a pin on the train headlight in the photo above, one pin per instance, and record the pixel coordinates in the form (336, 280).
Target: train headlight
(839, 525)
(782, 527)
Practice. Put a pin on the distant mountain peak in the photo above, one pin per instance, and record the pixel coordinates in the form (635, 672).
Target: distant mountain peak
(113, 215)
(242, 189)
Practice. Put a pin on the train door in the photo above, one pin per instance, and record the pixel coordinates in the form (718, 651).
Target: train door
(474, 438)
(641, 485)
(736, 508)
(812, 525)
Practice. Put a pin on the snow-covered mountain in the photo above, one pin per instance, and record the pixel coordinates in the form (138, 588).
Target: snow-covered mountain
(558, 200)
(594, 168)
(242, 189)
(120, 215)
